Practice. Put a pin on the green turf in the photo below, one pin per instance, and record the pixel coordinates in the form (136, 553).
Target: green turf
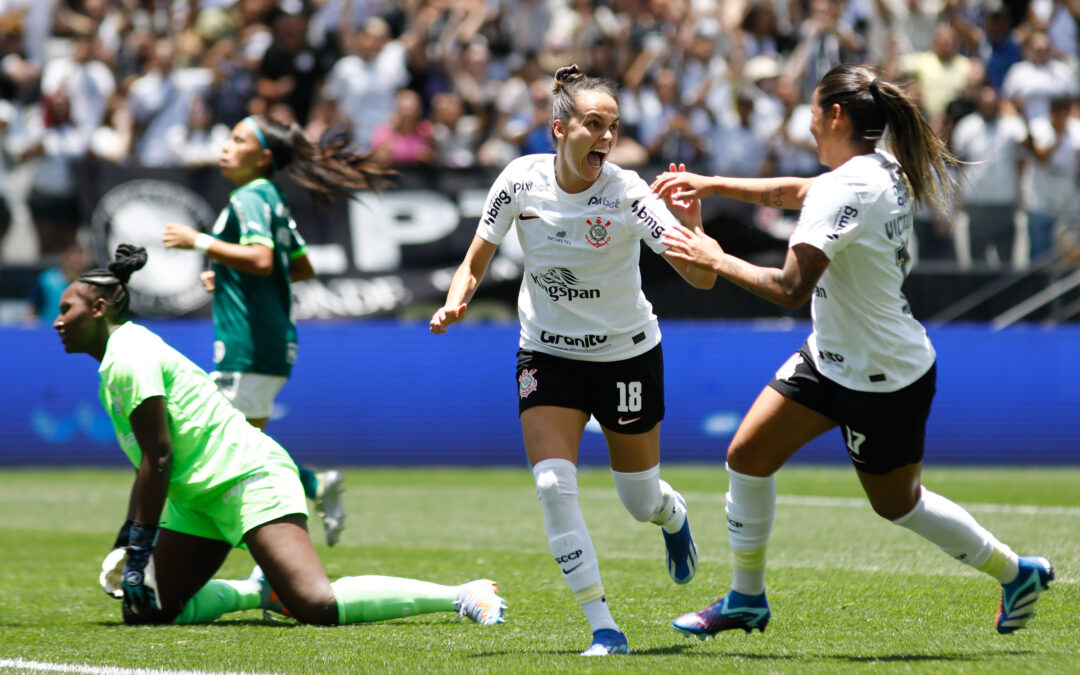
(849, 591)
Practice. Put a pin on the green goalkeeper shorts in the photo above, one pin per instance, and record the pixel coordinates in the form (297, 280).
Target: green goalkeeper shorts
(256, 498)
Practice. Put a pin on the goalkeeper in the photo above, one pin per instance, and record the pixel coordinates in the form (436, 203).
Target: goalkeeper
(207, 481)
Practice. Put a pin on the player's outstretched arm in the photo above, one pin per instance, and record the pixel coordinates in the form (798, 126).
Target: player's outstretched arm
(780, 193)
(463, 285)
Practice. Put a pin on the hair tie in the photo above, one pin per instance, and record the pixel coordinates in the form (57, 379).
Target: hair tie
(262, 139)
(875, 87)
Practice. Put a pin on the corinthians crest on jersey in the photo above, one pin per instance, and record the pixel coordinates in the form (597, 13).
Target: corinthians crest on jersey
(597, 234)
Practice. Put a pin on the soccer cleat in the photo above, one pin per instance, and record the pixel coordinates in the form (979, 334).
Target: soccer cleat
(1019, 595)
(329, 505)
(681, 551)
(734, 610)
(607, 641)
(269, 600)
(479, 600)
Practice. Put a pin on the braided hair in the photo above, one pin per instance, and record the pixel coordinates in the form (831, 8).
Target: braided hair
(111, 283)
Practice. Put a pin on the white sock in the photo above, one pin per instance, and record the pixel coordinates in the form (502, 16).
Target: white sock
(751, 508)
(649, 499)
(956, 532)
(568, 538)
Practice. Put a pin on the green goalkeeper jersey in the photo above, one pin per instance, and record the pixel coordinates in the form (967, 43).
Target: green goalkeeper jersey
(213, 445)
(253, 327)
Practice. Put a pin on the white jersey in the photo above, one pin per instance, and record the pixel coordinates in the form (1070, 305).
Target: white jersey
(860, 216)
(581, 295)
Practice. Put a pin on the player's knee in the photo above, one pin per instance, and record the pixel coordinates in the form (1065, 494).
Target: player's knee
(556, 481)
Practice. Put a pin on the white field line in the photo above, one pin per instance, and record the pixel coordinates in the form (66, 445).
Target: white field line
(20, 665)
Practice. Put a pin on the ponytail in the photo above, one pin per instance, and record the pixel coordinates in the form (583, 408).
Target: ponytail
(325, 169)
(874, 106)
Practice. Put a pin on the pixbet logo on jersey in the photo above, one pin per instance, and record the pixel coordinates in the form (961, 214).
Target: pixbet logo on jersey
(557, 282)
(597, 234)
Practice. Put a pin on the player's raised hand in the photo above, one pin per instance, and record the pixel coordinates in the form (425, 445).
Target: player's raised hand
(682, 185)
(688, 211)
(693, 246)
(444, 317)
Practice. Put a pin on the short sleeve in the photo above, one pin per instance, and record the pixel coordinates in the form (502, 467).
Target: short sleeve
(498, 213)
(647, 215)
(253, 214)
(831, 216)
(131, 380)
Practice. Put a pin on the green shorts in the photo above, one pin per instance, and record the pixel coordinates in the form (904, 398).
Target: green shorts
(241, 505)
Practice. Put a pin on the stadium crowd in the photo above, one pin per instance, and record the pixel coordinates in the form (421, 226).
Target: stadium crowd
(722, 85)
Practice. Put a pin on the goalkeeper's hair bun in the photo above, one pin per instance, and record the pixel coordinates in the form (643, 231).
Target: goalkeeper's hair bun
(128, 259)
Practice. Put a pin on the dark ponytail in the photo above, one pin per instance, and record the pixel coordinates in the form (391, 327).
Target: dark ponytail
(325, 169)
(111, 283)
(874, 106)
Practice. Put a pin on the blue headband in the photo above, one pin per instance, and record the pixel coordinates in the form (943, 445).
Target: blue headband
(262, 140)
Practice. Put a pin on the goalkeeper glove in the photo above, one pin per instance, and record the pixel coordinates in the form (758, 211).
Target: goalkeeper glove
(112, 568)
(139, 585)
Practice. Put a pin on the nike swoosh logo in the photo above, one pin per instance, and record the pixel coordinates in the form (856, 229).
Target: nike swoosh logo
(573, 568)
(522, 216)
(629, 421)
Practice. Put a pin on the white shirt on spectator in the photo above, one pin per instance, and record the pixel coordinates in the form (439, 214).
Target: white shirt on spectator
(1051, 187)
(993, 149)
(160, 102)
(365, 90)
(88, 86)
(1036, 85)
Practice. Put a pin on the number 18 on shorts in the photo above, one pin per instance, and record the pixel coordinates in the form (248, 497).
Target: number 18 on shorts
(624, 396)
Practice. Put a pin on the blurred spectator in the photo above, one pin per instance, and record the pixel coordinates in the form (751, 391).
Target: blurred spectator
(1060, 20)
(473, 79)
(826, 40)
(704, 77)
(737, 149)
(112, 141)
(1052, 188)
(291, 71)
(990, 143)
(84, 81)
(20, 77)
(999, 47)
(55, 144)
(35, 19)
(44, 300)
(233, 84)
(455, 134)
(363, 84)
(900, 27)
(198, 142)
(161, 97)
(670, 130)
(406, 138)
(526, 133)
(793, 149)
(940, 73)
(1033, 82)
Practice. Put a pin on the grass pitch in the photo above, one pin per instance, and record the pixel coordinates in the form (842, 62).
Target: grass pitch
(849, 591)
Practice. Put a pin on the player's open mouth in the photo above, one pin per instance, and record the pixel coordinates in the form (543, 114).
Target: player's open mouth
(596, 158)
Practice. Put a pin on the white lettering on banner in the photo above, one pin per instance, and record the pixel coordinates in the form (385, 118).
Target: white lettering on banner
(346, 297)
(381, 224)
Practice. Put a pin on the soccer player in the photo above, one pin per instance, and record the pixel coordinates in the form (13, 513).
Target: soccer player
(868, 366)
(257, 252)
(590, 343)
(207, 481)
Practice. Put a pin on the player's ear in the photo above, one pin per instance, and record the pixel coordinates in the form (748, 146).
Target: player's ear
(559, 129)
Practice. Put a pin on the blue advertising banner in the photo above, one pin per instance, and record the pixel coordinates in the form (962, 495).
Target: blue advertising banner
(388, 392)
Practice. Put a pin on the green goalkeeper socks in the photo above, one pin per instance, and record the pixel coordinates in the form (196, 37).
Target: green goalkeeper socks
(220, 596)
(377, 598)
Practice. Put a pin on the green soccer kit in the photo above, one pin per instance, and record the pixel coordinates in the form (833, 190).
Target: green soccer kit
(216, 455)
(253, 327)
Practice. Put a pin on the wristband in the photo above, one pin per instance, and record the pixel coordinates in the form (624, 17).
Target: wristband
(202, 242)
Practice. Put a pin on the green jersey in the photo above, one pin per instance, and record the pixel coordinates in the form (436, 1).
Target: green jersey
(253, 327)
(213, 445)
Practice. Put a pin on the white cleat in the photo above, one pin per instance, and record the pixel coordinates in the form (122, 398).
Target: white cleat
(328, 502)
(479, 600)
